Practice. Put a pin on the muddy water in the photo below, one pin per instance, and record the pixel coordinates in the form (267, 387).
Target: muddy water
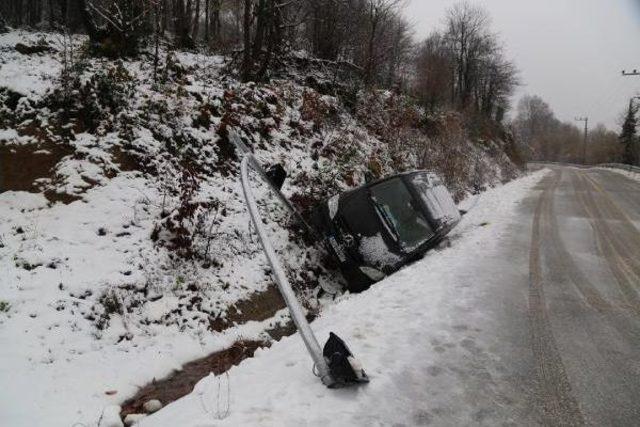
(259, 307)
(181, 383)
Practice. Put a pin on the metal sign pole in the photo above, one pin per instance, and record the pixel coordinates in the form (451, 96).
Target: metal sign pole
(290, 299)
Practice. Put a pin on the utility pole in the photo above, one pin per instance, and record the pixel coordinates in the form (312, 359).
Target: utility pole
(586, 132)
(628, 74)
(637, 144)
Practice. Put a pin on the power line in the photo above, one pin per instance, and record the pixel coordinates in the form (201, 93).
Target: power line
(586, 132)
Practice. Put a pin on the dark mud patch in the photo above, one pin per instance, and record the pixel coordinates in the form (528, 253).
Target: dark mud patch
(280, 331)
(65, 198)
(22, 165)
(181, 383)
(129, 160)
(259, 307)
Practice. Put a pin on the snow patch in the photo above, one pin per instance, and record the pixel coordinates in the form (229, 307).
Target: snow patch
(376, 252)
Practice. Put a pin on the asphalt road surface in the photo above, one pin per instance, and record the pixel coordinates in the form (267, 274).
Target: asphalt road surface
(584, 297)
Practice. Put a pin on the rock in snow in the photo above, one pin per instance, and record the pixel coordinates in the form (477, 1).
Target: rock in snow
(152, 406)
(132, 419)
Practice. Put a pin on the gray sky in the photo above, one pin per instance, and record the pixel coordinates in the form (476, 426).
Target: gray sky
(569, 52)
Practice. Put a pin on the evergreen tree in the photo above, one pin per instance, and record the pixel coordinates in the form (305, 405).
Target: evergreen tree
(628, 136)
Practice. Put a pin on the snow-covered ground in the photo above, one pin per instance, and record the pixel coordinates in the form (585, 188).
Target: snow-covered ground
(410, 332)
(56, 261)
(32, 75)
(94, 300)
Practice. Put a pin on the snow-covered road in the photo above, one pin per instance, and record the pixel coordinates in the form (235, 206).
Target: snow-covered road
(445, 341)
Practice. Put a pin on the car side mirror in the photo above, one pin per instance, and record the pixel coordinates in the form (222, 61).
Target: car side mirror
(276, 175)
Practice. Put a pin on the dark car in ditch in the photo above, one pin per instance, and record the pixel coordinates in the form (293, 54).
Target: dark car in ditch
(376, 229)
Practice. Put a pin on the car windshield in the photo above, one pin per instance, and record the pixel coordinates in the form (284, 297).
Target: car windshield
(397, 209)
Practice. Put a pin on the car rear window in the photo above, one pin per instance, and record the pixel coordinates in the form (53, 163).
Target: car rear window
(399, 213)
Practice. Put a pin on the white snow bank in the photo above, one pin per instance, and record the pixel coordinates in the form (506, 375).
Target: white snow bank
(414, 332)
(30, 74)
(56, 366)
(629, 174)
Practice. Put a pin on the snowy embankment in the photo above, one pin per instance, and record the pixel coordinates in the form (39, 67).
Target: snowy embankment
(56, 369)
(32, 77)
(409, 331)
(125, 249)
(628, 173)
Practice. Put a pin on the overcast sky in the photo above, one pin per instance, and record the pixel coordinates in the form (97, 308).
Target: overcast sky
(569, 52)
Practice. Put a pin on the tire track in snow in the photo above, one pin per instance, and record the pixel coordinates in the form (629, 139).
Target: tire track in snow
(628, 189)
(564, 260)
(630, 232)
(610, 245)
(607, 326)
(554, 390)
(614, 313)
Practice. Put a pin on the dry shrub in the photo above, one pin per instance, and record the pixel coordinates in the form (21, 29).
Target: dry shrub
(447, 152)
(395, 121)
(186, 222)
(318, 109)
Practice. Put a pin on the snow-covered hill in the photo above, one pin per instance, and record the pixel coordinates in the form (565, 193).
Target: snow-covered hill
(124, 243)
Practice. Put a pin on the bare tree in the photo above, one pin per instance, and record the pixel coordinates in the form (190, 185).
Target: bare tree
(534, 123)
(116, 27)
(378, 13)
(467, 65)
(434, 82)
(467, 33)
(182, 23)
(603, 146)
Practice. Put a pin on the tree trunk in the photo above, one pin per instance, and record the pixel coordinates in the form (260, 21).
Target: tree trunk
(261, 25)
(272, 26)
(51, 13)
(246, 63)
(159, 13)
(165, 15)
(206, 22)
(196, 22)
(182, 27)
(369, 70)
(215, 21)
(87, 20)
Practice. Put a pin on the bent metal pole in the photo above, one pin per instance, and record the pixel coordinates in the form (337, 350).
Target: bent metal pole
(244, 151)
(281, 279)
